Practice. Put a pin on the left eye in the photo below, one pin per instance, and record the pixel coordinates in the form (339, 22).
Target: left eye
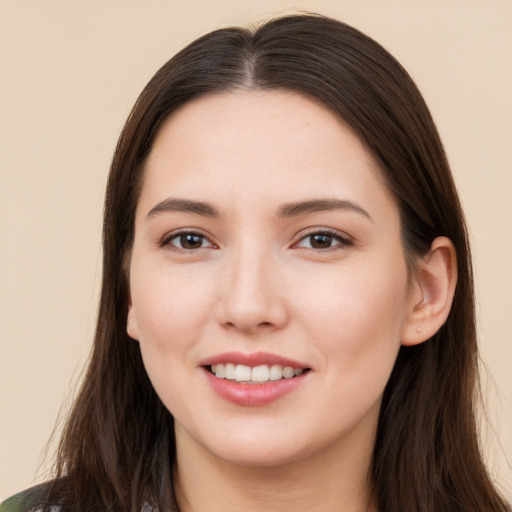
(188, 241)
(322, 240)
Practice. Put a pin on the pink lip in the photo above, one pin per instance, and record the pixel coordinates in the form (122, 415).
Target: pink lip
(253, 394)
(255, 359)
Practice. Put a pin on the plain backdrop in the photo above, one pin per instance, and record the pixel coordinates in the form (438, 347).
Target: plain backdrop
(70, 71)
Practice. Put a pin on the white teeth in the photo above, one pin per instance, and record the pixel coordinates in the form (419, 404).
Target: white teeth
(230, 371)
(260, 373)
(220, 371)
(288, 372)
(242, 373)
(276, 372)
(256, 374)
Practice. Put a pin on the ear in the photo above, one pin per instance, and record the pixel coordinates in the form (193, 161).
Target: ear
(432, 292)
(131, 321)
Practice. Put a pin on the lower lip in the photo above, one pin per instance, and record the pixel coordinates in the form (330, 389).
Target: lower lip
(254, 394)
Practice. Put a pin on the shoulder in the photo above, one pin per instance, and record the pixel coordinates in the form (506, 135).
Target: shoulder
(25, 501)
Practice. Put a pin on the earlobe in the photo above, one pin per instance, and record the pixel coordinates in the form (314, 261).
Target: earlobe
(432, 295)
(131, 322)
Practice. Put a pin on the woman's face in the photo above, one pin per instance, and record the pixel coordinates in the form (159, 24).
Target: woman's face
(266, 245)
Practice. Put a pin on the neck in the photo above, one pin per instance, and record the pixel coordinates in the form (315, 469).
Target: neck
(334, 479)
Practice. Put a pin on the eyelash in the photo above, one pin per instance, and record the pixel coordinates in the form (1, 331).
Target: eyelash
(342, 241)
(167, 241)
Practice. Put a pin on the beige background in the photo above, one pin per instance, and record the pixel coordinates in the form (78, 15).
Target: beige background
(70, 71)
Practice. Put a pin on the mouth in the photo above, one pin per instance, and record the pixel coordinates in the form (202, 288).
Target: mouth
(255, 379)
(244, 374)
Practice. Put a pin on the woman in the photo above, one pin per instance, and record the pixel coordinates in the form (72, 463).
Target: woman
(287, 312)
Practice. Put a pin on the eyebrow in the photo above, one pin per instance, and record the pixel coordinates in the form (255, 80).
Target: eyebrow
(173, 204)
(318, 205)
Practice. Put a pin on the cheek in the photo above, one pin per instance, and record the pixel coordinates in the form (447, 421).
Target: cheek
(357, 317)
(170, 310)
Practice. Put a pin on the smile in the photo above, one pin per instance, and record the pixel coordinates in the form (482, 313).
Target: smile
(255, 379)
(254, 375)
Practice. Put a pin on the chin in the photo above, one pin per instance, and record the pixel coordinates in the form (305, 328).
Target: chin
(256, 456)
(270, 447)
(249, 447)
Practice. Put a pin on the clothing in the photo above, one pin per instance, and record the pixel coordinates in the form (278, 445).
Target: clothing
(28, 500)
(25, 501)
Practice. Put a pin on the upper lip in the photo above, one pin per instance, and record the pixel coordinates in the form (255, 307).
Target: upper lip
(254, 359)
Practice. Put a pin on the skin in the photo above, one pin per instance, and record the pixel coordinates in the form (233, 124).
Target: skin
(256, 282)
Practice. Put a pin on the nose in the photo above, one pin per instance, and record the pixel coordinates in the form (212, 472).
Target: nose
(252, 292)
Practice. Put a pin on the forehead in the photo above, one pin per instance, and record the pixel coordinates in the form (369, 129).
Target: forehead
(243, 145)
(253, 117)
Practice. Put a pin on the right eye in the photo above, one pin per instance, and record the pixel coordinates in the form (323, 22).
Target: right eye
(187, 241)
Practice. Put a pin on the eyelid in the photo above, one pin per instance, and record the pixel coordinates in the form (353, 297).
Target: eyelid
(166, 240)
(344, 239)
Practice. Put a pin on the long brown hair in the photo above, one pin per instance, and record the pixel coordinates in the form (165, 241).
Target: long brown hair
(117, 450)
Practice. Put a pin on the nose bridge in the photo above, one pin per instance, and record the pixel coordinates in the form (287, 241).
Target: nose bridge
(251, 298)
